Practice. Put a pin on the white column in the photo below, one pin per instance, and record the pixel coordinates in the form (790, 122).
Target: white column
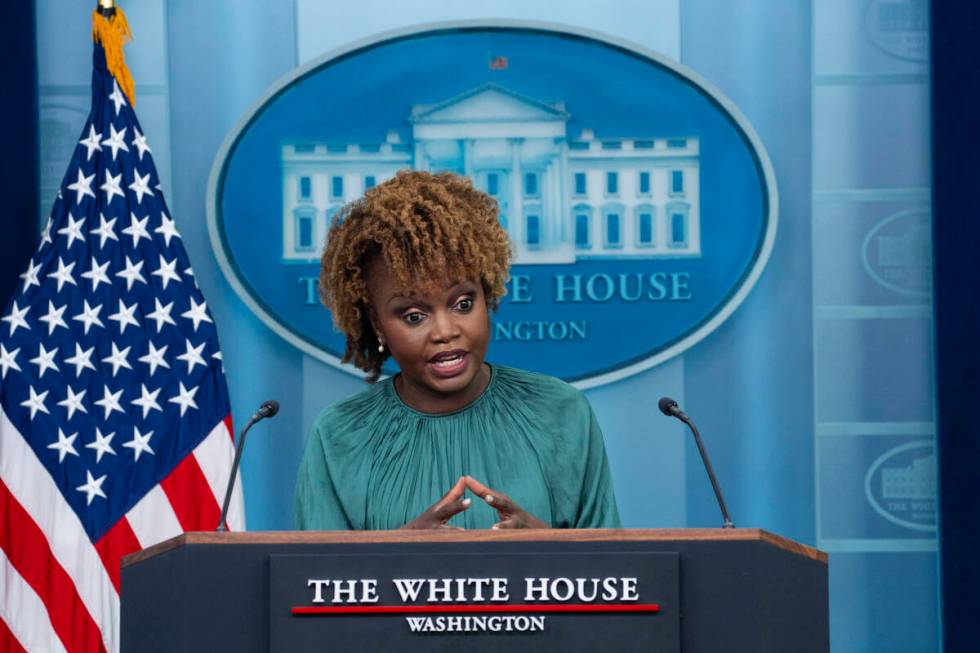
(288, 246)
(564, 212)
(551, 209)
(467, 147)
(319, 183)
(517, 195)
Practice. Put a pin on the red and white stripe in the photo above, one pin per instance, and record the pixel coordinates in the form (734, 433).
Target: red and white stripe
(57, 591)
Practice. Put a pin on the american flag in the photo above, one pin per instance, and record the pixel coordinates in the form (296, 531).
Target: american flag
(497, 63)
(115, 427)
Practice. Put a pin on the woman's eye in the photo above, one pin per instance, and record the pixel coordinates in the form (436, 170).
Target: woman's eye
(465, 304)
(413, 318)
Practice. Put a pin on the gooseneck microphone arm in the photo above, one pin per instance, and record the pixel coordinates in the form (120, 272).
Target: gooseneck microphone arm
(267, 409)
(670, 408)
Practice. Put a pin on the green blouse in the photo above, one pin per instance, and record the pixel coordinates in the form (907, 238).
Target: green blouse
(373, 463)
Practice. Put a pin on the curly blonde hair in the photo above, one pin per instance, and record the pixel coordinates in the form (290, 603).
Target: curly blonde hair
(428, 228)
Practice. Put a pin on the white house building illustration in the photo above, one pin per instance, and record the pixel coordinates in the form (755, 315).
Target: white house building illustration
(917, 481)
(561, 198)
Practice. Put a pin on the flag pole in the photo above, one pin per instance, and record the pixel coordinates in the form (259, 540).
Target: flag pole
(106, 8)
(111, 30)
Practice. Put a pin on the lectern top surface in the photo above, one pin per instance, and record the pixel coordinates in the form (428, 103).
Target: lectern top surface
(435, 536)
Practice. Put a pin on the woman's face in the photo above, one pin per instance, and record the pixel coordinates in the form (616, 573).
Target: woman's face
(438, 337)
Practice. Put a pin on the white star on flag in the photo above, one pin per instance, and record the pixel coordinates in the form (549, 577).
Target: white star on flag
(36, 402)
(140, 186)
(30, 276)
(8, 360)
(46, 232)
(132, 273)
(74, 230)
(125, 316)
(118, 99)
(118, 359)
(102, 445)
(167, 272)
(16, 318)
(197, 313)
(63, 273)
(73, 402)
(89, 316)
(147, 400)
(185, 399)
(64, 445)
(111, 186)
(137, 229)
(109, 402)
(115, 141)
(105, 230)
(45, 360)
(161, 315)
(139, 142)
(167, 229)
(92, 487)
(154, 358)
(193, 356)
(92, 142)
(97, 274)
(53, 317)
(82, 187)
(140, 443)
(81, 360)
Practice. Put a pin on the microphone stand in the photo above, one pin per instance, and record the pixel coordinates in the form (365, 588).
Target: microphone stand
(711, 472)
(268, 409)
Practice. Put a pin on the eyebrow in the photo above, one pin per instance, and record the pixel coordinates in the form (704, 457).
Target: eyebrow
(459, 288)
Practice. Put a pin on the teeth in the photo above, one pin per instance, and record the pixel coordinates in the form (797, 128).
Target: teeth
(448, 362)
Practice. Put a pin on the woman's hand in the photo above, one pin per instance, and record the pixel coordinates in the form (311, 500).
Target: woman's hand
(436, 515)
(511, 515)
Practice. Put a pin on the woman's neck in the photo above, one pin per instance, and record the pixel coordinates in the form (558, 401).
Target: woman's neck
(425, 400)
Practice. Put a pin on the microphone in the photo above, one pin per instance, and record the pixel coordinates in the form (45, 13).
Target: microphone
(267, 409)
(670, 408)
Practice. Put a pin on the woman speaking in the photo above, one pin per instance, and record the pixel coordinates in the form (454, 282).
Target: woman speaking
(412, 270)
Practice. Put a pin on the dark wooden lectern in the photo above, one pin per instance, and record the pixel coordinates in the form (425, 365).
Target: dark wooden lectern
(698, 590)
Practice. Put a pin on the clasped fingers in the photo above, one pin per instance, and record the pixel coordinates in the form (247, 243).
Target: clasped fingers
(438, 514)
(511, 515)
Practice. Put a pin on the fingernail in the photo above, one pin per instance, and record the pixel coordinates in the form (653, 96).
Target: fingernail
(466, 501)
(489, 498)
(495, 528)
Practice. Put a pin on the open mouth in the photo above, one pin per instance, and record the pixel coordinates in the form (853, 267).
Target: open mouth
(448, 363)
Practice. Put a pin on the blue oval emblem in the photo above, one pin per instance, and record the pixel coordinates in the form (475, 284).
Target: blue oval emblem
(641, 204)
(901, 485)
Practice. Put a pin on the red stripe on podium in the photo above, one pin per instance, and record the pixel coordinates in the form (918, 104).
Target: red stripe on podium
(469, 609)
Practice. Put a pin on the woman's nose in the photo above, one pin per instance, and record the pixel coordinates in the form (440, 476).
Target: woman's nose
(444, 327)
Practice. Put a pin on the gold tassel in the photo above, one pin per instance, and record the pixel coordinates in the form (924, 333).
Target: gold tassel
(113, 34)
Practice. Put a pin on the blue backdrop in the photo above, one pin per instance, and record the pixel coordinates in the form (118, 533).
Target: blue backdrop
(816, 397)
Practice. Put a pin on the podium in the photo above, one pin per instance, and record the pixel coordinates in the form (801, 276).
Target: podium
(690, 590)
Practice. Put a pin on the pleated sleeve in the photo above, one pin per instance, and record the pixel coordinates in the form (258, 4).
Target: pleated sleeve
(597, 503)
(317, 501)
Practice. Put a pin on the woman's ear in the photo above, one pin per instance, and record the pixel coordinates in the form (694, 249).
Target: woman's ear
(372, 319)
(379, 335)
